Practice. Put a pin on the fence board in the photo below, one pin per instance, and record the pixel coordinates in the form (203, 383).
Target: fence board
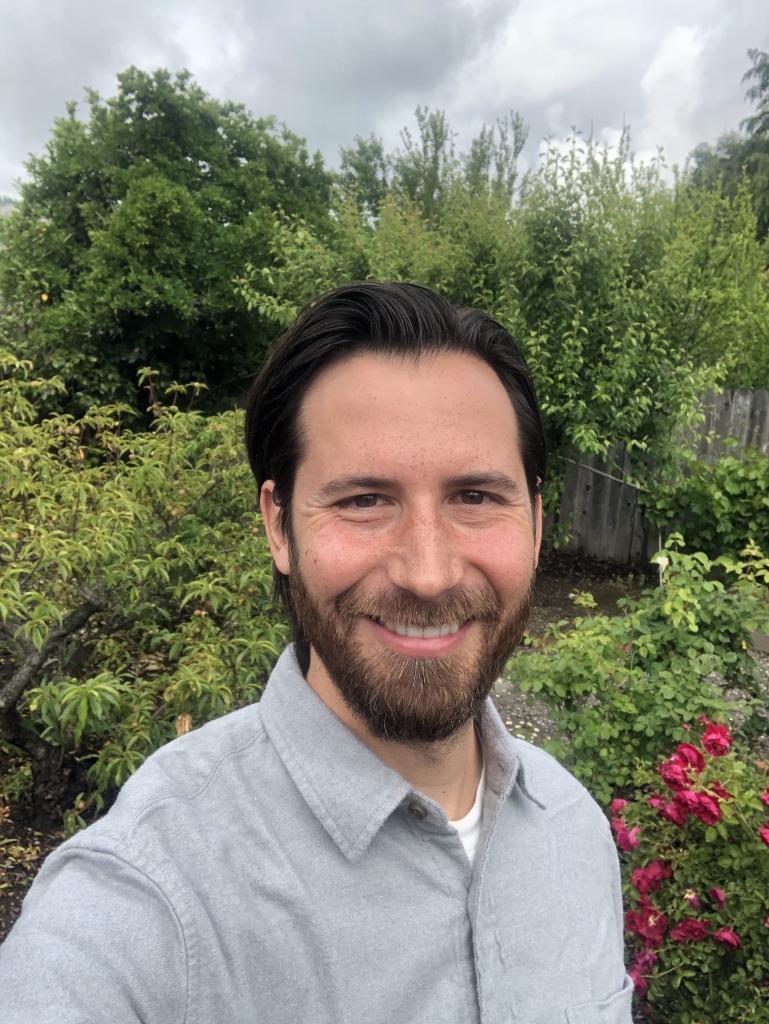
(605, 519)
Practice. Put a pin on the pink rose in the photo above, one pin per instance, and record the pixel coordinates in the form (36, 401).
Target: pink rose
(640, 983)
(691, 755)
(655, 801)
(627, 839)
(651, 877)
(764, 834)
(716, 739)
(718, 896)
(727, 937)
(687, 800)
(674, 773)
(707, 809)
(691, 929)
(717, 790)
(617, 805)
(646, 960)
(692, 899)
(647, 922)
(641, 966)
(673, 813)
(765, 797)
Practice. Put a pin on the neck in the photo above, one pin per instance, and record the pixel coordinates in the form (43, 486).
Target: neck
(447, 771)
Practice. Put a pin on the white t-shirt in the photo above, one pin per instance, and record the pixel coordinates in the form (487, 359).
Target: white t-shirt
(469, 827)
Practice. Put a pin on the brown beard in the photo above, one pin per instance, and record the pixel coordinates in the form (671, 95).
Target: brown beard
(398, 697)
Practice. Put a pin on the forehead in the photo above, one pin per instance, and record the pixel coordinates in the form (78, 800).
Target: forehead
(444, 408)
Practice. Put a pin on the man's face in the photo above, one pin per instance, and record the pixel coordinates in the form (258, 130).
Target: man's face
(414, 539)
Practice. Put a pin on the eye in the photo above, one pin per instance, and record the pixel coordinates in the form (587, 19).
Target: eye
(360, 501)
(474, 497)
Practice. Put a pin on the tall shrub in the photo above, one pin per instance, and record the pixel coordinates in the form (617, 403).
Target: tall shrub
(630, 296)
(135, 587)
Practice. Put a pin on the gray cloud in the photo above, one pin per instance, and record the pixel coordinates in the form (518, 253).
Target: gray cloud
(672, 71)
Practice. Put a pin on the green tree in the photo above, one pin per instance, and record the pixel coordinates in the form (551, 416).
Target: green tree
(364, 171)
(491, 161)
(757, 124)
(742, 154)
(423, 169)
(132, 225)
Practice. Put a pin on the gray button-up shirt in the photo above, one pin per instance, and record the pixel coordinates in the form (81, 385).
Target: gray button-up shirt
(270, 868)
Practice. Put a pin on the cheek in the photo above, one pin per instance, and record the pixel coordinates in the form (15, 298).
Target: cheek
(507, 563)
(333, 563)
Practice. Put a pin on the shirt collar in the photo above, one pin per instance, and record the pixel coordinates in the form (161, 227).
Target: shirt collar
(346, 786)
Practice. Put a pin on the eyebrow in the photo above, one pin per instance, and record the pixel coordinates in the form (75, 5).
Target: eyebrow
(472, 481)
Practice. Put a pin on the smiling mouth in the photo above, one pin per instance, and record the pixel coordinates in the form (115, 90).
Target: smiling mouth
(422, 632)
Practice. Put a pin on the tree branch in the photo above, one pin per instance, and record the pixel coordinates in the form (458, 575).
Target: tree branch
(25, 674)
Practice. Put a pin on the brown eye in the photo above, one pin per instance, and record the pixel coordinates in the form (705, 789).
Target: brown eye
(365, 500)
(473, 497)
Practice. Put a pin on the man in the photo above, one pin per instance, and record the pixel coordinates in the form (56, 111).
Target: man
(367, 843)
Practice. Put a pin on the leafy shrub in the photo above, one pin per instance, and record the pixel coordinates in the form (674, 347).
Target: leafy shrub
(720, 506)
(135, 585)
(695, 850)
(619, 685)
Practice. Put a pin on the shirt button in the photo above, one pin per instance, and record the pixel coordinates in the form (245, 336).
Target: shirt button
(417, 811)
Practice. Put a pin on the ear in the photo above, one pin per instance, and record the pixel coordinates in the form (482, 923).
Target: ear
(537, 528)
(276, 537)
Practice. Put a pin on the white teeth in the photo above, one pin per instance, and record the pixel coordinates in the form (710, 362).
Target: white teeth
(403, 629)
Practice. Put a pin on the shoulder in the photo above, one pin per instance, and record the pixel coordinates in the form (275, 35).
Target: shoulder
(554, 787)
(187, 764)
(187, 779)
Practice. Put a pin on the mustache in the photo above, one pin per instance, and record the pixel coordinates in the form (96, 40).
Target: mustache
(479, 603)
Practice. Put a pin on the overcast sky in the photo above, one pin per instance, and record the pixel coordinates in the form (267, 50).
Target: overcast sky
(670, 69)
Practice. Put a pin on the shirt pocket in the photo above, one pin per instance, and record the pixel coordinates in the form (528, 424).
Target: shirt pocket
(614, 1010)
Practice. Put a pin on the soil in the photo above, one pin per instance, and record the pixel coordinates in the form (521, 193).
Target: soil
(23, 848)
(22, 852)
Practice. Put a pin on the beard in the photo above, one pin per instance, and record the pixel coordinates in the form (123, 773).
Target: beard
(402, 698)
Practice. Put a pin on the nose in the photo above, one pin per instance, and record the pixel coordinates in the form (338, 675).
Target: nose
(424, 558)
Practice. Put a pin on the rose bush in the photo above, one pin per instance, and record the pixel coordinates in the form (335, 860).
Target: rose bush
(696, 881)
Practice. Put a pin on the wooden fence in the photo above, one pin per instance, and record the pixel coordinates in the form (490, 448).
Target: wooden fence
(606, 521)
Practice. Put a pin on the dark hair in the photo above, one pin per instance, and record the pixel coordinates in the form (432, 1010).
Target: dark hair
(390, 319)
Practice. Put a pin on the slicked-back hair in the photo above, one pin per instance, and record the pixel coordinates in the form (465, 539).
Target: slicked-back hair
(390, 319)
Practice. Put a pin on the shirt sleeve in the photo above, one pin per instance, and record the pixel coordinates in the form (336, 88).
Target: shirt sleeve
(97, 941)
